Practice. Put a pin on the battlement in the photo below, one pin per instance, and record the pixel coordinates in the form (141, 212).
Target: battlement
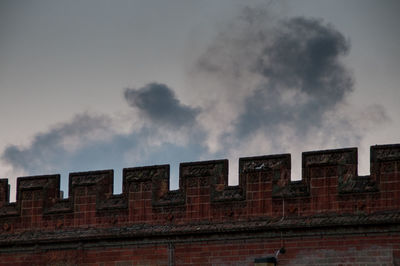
(330, 184)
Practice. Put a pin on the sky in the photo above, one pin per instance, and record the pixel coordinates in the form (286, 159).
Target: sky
(96, 84)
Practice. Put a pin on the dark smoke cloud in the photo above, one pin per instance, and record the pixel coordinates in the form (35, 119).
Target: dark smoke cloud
(288, 75)
(304, 77)
(89, 142)
(158, 103)
(97, 145)
(46, 148)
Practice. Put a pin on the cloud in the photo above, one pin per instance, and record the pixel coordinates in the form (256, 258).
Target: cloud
(46, 148)
(90, 141)
(303, 77)
(158, 103)
(279, 85)
(280, 73)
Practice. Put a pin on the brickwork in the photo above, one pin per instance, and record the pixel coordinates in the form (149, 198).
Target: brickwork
(331, 217)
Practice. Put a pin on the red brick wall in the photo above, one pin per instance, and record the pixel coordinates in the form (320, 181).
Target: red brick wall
(309, 251)
(149, 255)
(331, 217)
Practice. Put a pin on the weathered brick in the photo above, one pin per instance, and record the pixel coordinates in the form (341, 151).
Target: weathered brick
(330, 217)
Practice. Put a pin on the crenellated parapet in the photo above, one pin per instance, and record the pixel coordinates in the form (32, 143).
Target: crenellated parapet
(330, 185)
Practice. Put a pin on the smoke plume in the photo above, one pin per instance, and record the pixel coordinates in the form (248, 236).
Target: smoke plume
(158, 103)
(301, 77)
(46, 148)
(90, 142)
(278, 85)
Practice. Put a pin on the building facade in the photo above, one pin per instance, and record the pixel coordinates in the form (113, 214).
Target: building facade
(330, 217)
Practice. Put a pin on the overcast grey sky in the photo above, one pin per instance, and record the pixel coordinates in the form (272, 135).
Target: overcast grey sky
(98, 84)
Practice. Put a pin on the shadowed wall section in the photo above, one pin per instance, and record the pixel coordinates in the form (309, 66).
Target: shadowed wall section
(354, 219)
